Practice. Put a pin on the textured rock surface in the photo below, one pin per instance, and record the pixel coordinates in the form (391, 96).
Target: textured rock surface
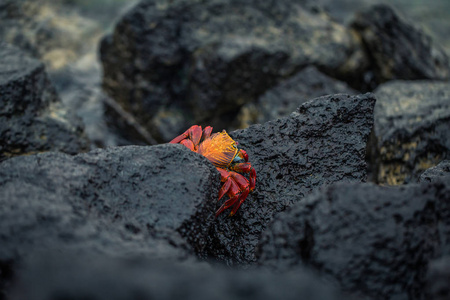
(32, 119)
(112, 280)
(288, 95)
(149, 189)
(323, 142)
(376, 241)
(397, 49)
(438, 278)
(436, 173)
(176, 63)
(412, 121)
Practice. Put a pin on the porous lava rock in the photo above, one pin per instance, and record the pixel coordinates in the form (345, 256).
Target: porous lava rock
(375, 241)
(324, 141)
(177, 63)
(122, 280)
(32, 118)
(289, 94)
(438, 278)
(412, 121)
(149, 189)
(397, 49)
(436, 173)
(154, 202)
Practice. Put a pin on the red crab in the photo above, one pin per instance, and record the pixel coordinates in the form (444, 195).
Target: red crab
(222, 151)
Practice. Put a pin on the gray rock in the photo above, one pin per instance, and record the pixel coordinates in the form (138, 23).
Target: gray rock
(375, 241)
(323, 142)
(32, 118)
(412, 122)
(436, 173)
(155, 202)
(438, 279)
(289, 94)
(119, 280)
(397, 49)
(149, 189)
(176, 63)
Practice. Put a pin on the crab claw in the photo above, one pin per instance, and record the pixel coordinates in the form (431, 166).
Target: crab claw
(191, 137)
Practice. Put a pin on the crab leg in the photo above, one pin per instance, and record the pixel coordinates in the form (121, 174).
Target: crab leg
(248, 169)
(236, 187)
(241, 200)
(193, 134)
(206, 132)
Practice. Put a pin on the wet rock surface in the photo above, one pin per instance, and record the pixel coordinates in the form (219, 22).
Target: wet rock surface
(121, 280)
(323, 142)
(397, 49)
(177, 63)
(289, 94)
(412, 121)
(375, 241)
(32, 118)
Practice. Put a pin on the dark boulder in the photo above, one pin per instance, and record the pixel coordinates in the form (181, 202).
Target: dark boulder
(32, 118)
(375, 241)
(436, 173)
(54, 279)
(177, 63)
(412, 121)
(289, 94)
(397, 49)
(438, 279)
(155, 202)
(323, 142)
(148, 189)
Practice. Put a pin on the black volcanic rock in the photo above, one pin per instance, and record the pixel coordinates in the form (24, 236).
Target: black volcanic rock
(375, 241)
(289, 94)
(126, 202)
(148, 189)
(412, 122)
(323, 142)
(123, 280)
(436, 173)
(32, 118)
(397, 49)
(438, 279)
(177, 63)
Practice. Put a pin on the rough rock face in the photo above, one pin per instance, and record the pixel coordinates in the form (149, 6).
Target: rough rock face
(376, 241)
(323, 142)
(125, 202)
(438, 277)
(436, 173)
(396, 49)
(411, 129)
(288, 95)
(119, 280)
(149, 189)
(32, 119)
(176, 63)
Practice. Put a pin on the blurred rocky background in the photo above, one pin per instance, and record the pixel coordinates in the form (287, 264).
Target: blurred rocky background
(323, 95)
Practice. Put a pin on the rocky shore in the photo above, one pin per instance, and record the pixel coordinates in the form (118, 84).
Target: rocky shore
(347, 127)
